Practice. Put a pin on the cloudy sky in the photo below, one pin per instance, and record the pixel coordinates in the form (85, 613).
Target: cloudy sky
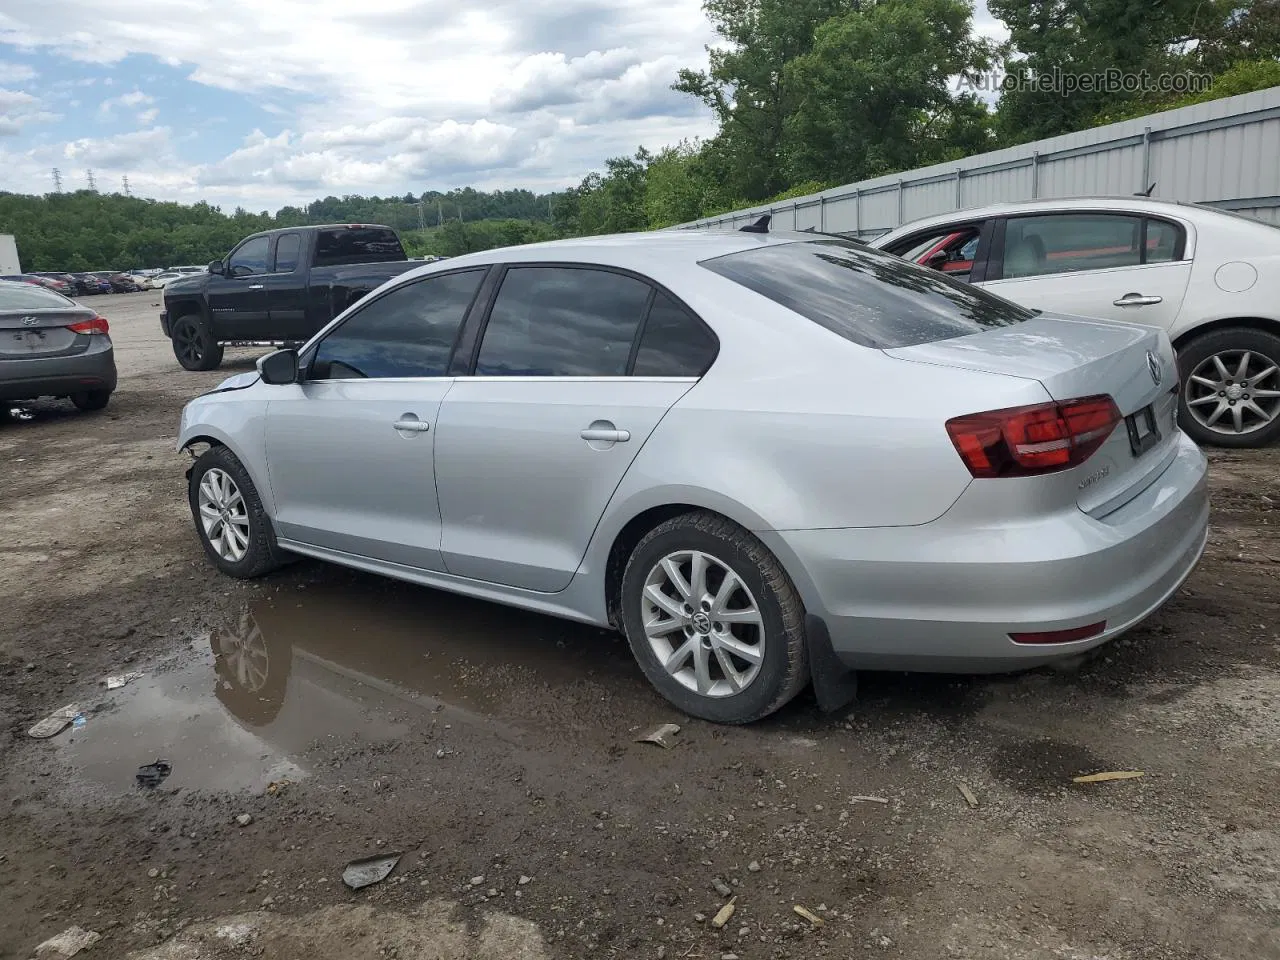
(261, 103)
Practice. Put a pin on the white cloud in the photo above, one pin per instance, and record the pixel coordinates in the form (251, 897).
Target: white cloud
(122, 151)
(135, 98)
(392, 95)
(11, 72)
(18, 109)
(15, 100)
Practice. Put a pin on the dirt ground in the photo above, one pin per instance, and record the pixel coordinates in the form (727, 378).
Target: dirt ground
(494, 750)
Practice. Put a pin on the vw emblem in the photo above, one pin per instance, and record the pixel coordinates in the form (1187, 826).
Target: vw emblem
(701, 622)
(1153, 366)
(30, 321)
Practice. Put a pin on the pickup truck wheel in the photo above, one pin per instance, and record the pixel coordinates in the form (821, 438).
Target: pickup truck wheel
(194, 346)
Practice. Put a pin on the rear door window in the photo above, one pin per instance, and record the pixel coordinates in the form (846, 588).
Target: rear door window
(1071, 242)
(562, 322)
(867, 296)
(288, 246)
(339, 245)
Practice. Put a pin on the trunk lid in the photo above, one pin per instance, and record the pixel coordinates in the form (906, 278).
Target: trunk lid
(42, 333)
(1074, 357)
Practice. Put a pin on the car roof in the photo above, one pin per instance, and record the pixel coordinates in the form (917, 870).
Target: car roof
(1172, 208)
(319, 226)
(621, 249)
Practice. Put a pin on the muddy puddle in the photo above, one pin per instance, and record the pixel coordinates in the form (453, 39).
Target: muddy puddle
(254, 701)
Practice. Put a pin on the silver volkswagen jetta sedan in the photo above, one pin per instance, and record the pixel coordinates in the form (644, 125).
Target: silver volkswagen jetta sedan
(766, 458)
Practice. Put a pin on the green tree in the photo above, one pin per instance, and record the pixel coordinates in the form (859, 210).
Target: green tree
(877, 92)
(1091, 37)
(1243, 77)
(747, 85)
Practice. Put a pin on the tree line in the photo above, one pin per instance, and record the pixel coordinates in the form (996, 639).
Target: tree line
(807, 94)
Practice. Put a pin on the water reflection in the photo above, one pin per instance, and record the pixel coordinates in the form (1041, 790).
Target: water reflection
(369, 660)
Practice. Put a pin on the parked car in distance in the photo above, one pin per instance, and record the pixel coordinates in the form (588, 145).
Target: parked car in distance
(278, 287)
(51, 346)
(162, 280)
(1209, 278)
(118, 282)
(96, 283)
(57, 286)
(80, 286)
(685, 436)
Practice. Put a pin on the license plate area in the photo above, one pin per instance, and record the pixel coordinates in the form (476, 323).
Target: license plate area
(1144, 431)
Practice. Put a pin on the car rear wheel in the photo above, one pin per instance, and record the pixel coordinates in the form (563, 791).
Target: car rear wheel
(233, 526)
(713, 620)
(194, 346)
(91, 399)
(1230, 395)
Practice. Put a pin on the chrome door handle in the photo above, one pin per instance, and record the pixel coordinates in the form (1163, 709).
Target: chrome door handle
(412, 426)
(1137, 300)
(255, 286)
(607, 436)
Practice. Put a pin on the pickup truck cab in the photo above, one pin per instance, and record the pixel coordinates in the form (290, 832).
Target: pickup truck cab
(277, 287)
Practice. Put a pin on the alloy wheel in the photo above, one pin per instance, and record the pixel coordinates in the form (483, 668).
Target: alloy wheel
(1234, 392)
(703, 624)
(187, 343)
(224, 515)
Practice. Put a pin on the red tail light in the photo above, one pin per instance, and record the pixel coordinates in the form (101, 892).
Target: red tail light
(96, 325)
(1043, 438)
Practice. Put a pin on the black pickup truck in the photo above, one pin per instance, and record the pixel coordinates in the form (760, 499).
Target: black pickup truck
(280, 286)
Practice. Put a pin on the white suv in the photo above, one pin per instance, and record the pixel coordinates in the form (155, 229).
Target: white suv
(1211, 279)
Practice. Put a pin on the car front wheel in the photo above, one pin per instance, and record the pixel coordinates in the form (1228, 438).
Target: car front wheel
(194, 346)
(713, 620)
(230, 520)
(1230, 395)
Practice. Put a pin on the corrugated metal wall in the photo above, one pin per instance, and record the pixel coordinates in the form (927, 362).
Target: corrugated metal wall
(1226, 153)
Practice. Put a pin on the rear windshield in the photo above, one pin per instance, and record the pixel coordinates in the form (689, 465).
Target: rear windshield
(26, 296)
(357, 245)
(869, 297)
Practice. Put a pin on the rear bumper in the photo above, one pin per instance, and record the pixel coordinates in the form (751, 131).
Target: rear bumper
(95, 369)
(164, 323)
(945, 596)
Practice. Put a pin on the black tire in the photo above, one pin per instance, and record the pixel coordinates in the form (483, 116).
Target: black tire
(784, 669)
(262, 554)
(91, 399)
(1230, 342)
(193, 344)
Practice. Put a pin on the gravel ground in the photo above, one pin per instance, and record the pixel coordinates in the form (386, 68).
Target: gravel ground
(495, 751)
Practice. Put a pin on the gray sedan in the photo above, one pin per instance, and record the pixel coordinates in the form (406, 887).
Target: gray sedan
(768, 459)
(53, 347)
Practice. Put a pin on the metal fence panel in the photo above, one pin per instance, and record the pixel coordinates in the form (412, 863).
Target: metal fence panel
(1222, 152)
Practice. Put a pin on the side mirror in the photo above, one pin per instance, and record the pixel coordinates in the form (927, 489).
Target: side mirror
(937, 261)
(279, 368)
(216, 267)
